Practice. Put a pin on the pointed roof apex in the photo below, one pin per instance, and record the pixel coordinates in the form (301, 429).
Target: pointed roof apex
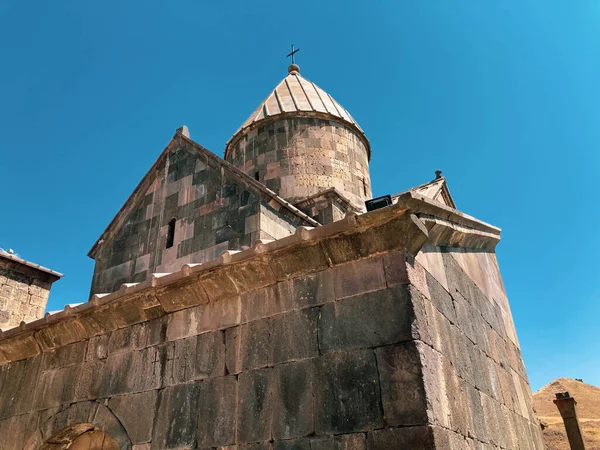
(436, 189)
(297, 96)
(184, 130)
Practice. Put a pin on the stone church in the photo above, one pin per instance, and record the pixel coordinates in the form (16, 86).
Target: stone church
(264, 301)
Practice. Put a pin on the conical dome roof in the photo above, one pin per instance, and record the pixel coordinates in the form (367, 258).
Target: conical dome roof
(297, 95)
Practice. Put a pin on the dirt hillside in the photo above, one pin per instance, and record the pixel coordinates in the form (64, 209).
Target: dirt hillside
(588, 410)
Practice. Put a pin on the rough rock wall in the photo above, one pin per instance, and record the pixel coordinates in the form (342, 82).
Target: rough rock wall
(22, 297)
(212, 212)
(299, 157)
(372, 354)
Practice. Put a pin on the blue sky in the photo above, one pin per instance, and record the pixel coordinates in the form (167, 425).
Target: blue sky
(501, 95)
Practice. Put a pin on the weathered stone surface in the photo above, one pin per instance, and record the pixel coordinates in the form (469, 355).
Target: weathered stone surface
(133, 372)
(180, 363)
(358, 277)
(136, 413)
(232, 350)
(413, 438)
(293, 157)
(182, 295)
(212, 316)
(340, 442)
(256, 348)
(351, 376)
(293, 411)
(294, 444)
(255, 405)
(176, 417)
(402, 363)
(217, 412)
(402, 385)
(295, 335)
(367, 320)
(210, 355)
(97, 348)
(265, 302)
(312, 290)
(24, 290)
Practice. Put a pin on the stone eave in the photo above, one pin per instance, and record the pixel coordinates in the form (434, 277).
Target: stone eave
(407, 226)
(298, 114)
(21, 265)
(268, 195)
(448, 226)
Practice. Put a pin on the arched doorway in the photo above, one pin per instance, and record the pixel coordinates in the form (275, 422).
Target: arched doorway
(82, 436)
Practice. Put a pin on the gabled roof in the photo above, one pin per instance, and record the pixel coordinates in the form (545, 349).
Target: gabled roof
(295, 95)
(182, 136)
(436, 189)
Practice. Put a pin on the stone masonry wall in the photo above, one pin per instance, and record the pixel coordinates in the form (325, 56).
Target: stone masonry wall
(372, 354)
(472, 364)
(22, 297)
(213, 214)
(299, 157)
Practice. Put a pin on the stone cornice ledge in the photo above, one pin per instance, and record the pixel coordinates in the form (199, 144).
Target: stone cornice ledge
(449, 227)
(309, 250)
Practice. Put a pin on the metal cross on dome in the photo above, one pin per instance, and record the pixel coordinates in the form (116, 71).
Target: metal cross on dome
(292, 53)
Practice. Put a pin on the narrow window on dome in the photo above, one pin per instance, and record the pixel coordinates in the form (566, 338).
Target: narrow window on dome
(171, 233)
(364, 186)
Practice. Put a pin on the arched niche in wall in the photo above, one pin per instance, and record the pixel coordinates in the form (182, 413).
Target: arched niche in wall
(81, 436)
(83, 423)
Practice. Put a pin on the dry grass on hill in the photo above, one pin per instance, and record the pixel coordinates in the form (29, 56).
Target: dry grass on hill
(588, 410)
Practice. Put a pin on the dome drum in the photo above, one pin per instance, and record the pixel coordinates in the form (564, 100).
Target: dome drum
(300, 142)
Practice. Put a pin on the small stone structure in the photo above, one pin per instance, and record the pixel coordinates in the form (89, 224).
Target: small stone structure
(567, 406)
(248, 303)
(24, 290)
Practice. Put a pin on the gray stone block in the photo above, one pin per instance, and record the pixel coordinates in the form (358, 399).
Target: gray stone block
(440, 297)
(255, 406)
(358, 277)
(210, 355)
(355, 441)
(252, 446)
(295, 444)
(295, 335)
(347, 392)
(176, 417)
(217, 412)
(394, 264)
(64, 356)
(313, 289)
(256, 349)
(402, 386)
(180, 362)
(367, 320)
(232, 350)
(293, 409)
(413, 438)
(136, 413)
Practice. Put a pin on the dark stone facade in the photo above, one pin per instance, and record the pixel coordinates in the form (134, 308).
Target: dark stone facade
(213, 211)
(301, 156)
(370, 353)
